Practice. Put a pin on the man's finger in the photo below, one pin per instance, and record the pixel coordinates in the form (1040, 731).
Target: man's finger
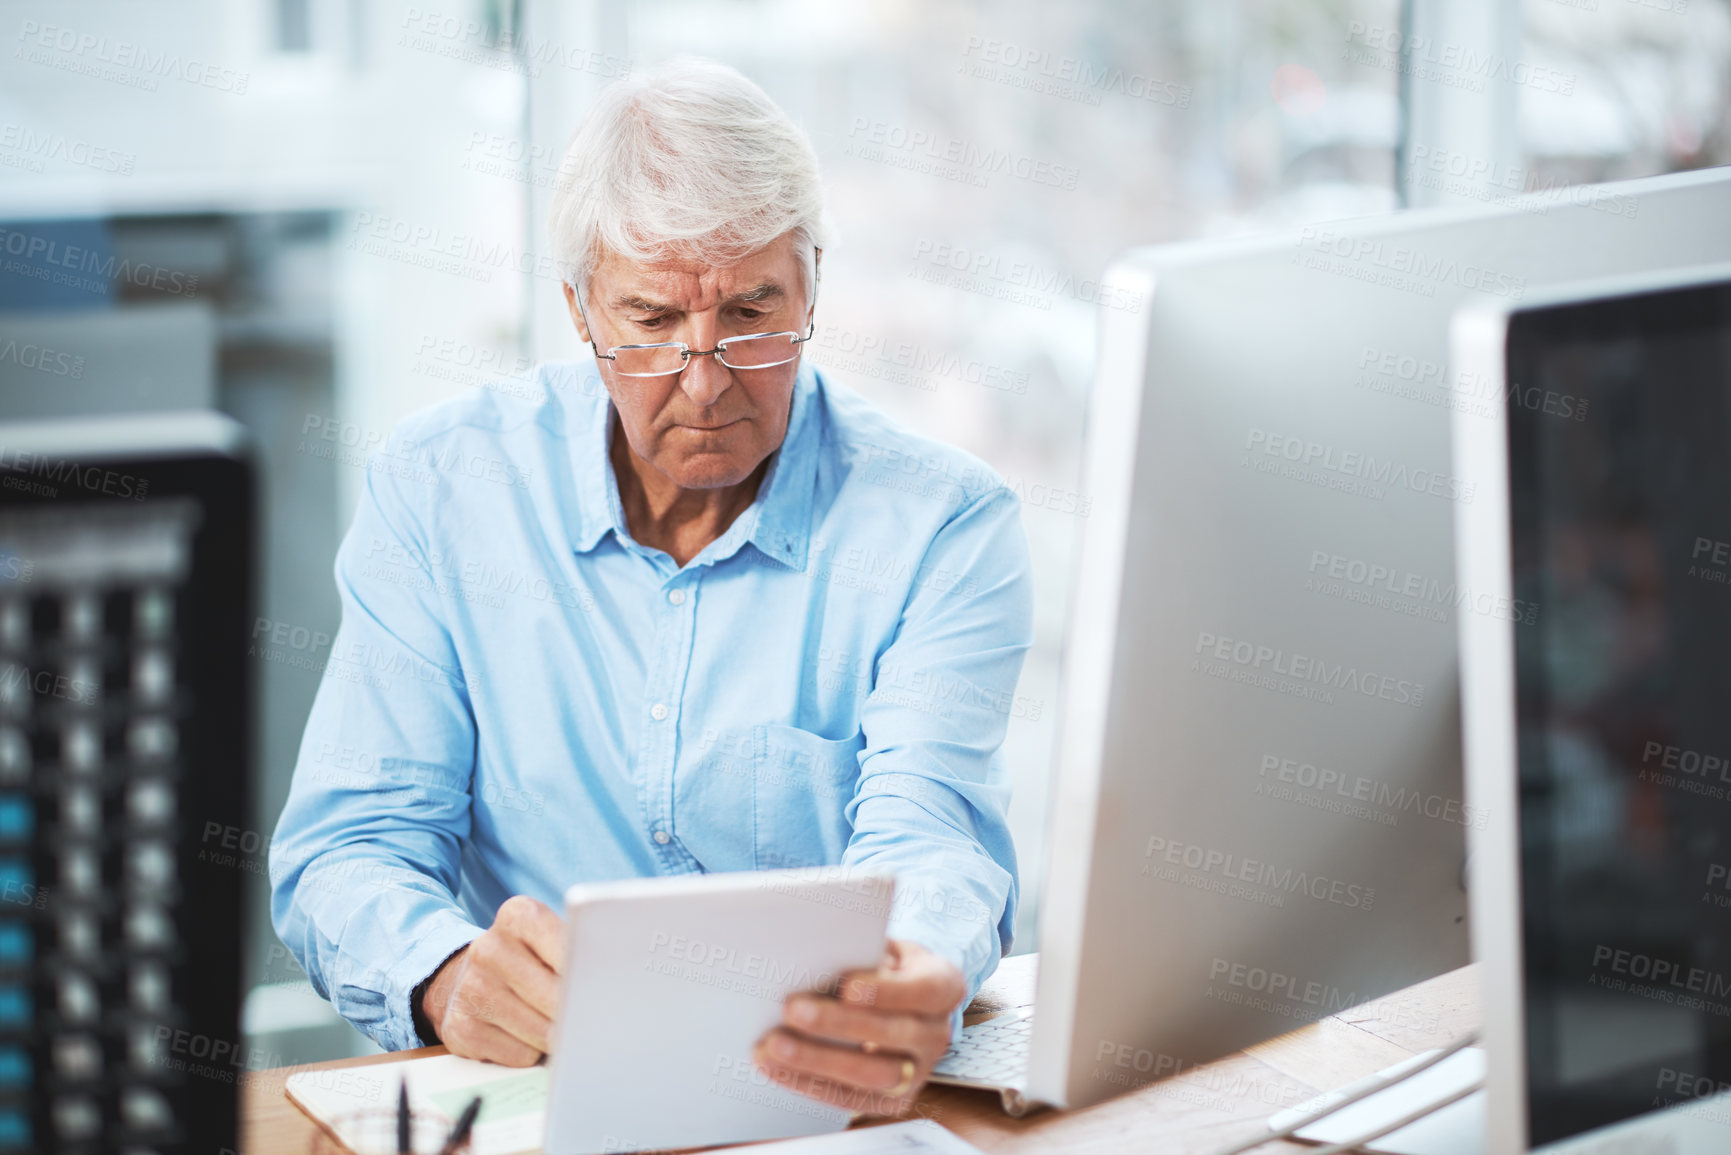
(511, 1015)
(529, 978)
(921, 1036)
(478, 1039)
(842, 1076)
(922, 989)
(537, 926)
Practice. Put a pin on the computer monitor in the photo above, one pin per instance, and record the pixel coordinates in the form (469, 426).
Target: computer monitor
(1257, 815)
(1598, 736)
(126, 568)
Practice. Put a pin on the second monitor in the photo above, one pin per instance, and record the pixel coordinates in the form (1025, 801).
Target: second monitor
(1258, 816)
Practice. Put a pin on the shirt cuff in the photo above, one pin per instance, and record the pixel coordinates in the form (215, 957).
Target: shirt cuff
(448, 935)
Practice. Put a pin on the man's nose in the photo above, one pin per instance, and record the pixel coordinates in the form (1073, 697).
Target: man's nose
(704, 379)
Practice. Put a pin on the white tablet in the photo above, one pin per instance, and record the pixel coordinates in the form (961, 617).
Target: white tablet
(668, 985)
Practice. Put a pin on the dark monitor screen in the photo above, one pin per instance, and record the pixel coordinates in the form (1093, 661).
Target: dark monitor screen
(1620, 474)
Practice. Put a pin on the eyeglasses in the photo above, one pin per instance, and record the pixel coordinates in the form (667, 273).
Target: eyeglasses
(750, 351)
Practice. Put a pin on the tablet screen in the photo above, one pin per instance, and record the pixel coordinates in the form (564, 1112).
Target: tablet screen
(1620, 476)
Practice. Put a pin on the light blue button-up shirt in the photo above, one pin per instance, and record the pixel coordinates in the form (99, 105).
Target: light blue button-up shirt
(522, 697)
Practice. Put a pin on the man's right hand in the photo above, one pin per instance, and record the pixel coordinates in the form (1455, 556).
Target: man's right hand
(494, 998)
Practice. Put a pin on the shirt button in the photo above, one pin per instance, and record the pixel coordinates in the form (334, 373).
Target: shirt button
(662, 838)
(658, 711)
(677, 597)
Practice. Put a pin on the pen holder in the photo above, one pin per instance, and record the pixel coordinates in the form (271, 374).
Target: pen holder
(375, 1133)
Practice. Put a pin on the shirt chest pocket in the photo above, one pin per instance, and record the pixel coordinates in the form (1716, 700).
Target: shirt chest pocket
(801, 786)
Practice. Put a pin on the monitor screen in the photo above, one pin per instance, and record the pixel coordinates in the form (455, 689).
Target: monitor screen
(1619, 418)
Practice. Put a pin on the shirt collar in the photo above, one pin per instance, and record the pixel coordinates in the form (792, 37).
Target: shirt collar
(778, 521)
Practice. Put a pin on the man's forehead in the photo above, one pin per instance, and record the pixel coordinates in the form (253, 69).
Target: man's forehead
(765, 276)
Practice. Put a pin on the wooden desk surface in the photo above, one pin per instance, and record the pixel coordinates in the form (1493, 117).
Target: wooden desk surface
(1195, 1113)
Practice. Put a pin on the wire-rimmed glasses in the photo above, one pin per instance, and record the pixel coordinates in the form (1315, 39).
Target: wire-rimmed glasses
(748, 351)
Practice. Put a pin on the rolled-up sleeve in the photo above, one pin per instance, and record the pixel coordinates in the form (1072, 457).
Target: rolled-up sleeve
(933, 796)
(366, 859)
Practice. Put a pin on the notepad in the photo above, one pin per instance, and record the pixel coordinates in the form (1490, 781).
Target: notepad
(513, 1101)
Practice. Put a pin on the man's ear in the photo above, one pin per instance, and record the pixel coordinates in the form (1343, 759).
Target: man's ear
(816, 281)
(576, 313)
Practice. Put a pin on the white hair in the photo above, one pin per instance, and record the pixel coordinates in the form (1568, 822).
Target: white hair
(688, 160)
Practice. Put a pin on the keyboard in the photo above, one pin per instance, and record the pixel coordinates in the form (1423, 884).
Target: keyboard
(993, 1052)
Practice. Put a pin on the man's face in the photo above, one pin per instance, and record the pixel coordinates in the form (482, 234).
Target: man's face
(707, 426)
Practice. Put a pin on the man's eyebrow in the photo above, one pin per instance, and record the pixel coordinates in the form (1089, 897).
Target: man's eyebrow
(757, 294)
(768, 291)
(641, 304)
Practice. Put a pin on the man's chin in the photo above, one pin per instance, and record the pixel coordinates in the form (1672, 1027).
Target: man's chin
(709, 471)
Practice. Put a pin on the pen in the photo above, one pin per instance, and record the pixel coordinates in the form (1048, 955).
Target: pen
(460, 1133)
(403, 1145)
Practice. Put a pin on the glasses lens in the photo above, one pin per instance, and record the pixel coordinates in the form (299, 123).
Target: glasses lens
(757, 352)
(652, 361)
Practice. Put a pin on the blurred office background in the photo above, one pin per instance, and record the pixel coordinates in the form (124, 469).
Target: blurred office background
(319, 215)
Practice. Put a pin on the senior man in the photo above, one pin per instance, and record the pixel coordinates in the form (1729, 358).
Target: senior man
(713, 614)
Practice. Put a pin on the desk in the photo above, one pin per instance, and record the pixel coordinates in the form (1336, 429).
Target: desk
(1195, 1113)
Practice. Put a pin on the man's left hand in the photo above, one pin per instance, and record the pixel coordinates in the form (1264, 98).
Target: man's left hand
(871, 1047)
